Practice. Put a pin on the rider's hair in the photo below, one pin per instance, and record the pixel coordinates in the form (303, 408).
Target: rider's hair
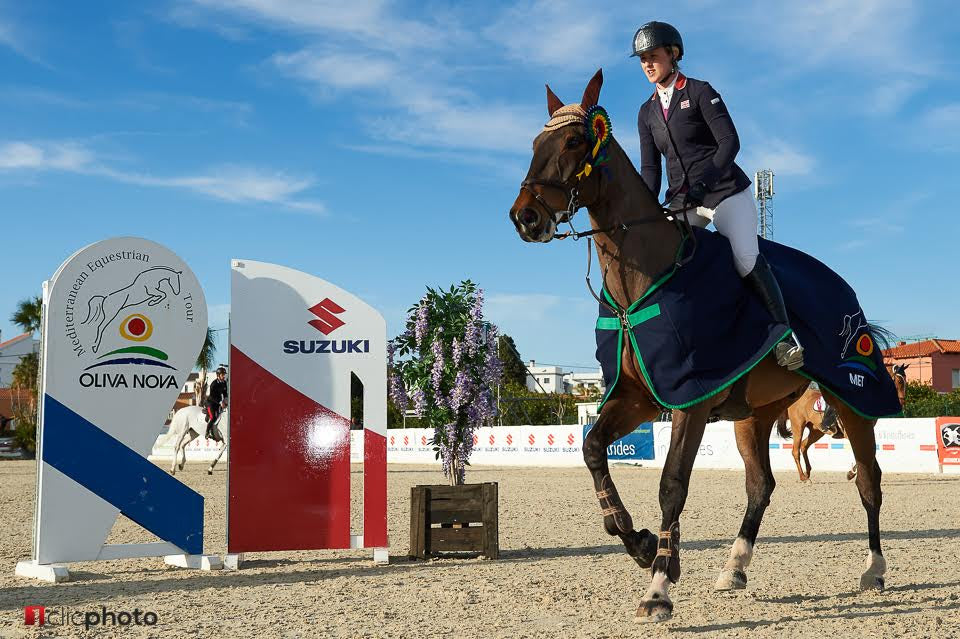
(674, 52)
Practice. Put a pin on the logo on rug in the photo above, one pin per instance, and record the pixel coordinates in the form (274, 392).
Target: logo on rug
(858, 358)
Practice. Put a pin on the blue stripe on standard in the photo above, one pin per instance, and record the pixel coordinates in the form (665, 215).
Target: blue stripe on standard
(141, 490)
(774, 445)
(836, 446)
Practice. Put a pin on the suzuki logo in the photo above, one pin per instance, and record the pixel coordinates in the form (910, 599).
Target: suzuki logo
(531, 439)
(327, 311)
(476, 440)
(570, 439)
(423, 440)
(509, 439)
(406, 440)
(492, 439)
(550, 440)
(391, 440)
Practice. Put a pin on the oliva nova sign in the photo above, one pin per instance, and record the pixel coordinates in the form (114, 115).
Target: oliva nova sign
(124, 320)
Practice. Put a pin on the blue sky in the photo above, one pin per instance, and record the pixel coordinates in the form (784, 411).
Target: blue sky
(380, 144)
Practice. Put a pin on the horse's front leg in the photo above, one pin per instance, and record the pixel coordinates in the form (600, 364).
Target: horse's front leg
(688, 427)
(223, 449)
(620, 415)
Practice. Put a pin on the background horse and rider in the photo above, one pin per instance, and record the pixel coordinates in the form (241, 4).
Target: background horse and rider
(811, 413)
(637, 242)
(189, 423)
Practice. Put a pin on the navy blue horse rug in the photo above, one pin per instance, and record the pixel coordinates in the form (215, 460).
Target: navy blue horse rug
(699, 329)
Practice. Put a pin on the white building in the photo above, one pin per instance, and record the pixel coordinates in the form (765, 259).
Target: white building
(11, 351)
(584, 383)
(545, 379)
(587, 412)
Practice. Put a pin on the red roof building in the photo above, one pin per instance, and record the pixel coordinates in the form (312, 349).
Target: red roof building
(935, 362)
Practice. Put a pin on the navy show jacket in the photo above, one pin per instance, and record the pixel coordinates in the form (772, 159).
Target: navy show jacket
(697, 138)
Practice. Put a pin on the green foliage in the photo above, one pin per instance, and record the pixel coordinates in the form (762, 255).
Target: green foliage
(521, 406)
(26, 371)
(25, 433)
(923, 401)
(205, 359)
(514, 372)
(29, 314)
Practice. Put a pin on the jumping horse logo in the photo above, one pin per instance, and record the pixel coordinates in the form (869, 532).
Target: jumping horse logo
(146, 287)
(850, 331)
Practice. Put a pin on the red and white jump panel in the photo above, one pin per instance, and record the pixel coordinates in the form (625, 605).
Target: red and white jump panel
(295, 340)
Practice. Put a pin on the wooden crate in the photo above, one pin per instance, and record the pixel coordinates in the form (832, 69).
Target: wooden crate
(454, 519)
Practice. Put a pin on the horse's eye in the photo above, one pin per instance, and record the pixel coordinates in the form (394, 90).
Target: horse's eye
(573, 142)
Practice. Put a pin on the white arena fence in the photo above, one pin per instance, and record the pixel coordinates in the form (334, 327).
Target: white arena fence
(903, 446)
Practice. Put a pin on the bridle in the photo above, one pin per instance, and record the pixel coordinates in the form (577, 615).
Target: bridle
(560, 216)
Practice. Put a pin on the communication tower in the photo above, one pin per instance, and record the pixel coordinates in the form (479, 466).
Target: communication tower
(763, 191)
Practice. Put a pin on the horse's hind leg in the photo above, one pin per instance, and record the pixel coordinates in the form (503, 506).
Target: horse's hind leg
(860, 433)
(219, 455)
(620, 415)
(753, 442)
(797, 446)
(812, 438)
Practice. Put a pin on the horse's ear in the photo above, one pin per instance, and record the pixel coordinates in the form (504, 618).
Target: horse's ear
(553, 102)
(592, 93)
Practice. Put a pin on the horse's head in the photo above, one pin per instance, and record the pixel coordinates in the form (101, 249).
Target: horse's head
(564, 155)
(175, 282)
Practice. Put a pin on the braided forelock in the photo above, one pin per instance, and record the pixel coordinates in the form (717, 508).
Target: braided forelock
(567, 114)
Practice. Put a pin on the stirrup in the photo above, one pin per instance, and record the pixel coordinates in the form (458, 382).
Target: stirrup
(790, 356)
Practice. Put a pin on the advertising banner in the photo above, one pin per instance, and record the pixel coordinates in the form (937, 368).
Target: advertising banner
(124, 320)
(296, 342)
(948, 441)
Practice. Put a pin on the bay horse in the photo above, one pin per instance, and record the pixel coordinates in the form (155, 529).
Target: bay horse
(803, 415)
(636, 242)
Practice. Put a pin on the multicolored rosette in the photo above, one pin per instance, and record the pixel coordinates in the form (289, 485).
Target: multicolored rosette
(599, 131)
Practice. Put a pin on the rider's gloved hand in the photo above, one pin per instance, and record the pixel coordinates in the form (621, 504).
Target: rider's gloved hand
(695, 194)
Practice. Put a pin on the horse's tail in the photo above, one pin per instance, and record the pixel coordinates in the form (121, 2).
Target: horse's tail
(883, 337)
(95, 311)
(782, 429)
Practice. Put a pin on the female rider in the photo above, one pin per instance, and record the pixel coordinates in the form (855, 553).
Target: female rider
(686, 122)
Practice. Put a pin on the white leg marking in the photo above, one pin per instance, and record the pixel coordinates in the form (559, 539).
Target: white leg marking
(659, 589)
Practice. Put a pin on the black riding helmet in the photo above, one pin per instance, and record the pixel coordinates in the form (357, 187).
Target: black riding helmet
(656, 34)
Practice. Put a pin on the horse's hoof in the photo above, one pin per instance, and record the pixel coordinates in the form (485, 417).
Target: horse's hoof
(731, 580)
(654, 611)
(871, 582)
(209, 472)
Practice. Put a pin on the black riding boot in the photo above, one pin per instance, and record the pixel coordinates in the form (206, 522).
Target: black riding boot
(762, 281)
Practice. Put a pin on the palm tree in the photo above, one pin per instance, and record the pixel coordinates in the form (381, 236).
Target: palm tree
(29, 314)
(205, 362)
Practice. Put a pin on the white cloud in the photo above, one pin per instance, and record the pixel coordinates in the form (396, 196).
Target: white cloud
(842, 33)
(237, 184)
(779, 155)
(940, 128)
(45, 156)
(366, 20)
(338, 70)
(554, 33)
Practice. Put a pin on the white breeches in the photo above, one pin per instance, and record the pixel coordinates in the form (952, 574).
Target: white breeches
(736, 220)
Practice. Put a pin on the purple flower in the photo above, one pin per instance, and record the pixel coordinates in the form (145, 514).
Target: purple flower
(397, 392)
(462, 390)
(457, 348)
(436, 373)
(419, 399)
(420, 327)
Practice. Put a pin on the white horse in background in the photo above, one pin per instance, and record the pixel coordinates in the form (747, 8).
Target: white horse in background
(189, 423)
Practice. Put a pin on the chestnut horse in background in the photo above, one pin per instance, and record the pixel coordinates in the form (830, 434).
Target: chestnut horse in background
(637, 240)
(804, 415)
